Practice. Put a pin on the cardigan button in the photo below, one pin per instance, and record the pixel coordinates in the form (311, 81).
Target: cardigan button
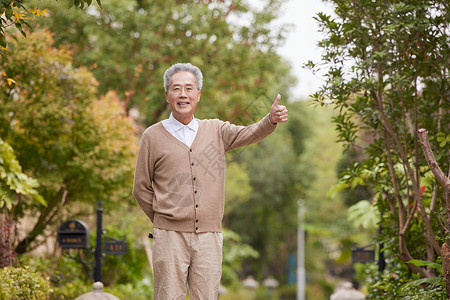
(196, 221)
(195, 192)
(192, 164)
(196, 205)
(196, 228)
(190, 150)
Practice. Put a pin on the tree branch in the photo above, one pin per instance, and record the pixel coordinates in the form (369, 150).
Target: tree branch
(443, 180)
(431, 160)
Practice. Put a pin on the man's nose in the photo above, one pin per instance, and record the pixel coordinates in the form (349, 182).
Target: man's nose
(183, 92)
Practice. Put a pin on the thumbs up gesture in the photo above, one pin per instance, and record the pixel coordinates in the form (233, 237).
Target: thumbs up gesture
(278, 113)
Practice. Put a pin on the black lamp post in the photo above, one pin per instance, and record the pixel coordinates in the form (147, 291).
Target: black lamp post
(98, 247)
(381, 261)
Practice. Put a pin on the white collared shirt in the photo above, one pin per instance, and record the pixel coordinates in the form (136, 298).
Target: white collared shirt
(185, 133)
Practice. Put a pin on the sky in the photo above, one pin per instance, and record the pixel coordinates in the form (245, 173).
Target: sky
(301, 44)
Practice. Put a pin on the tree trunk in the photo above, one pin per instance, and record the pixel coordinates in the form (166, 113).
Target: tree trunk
(445, 255)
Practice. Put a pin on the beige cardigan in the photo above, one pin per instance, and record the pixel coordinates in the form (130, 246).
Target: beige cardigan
(182, 188)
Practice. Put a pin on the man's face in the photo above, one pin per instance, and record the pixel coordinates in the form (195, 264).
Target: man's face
(183, 96)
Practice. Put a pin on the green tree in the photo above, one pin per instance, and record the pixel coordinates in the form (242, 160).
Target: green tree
(329, 235)
(79, 148)
(128, 45)
(267, 221)
(387, 69)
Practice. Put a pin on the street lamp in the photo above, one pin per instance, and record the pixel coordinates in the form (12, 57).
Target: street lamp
(301, 277)
(250, 284)
(270, 283)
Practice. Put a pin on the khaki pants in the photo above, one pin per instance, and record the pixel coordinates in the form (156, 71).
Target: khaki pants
(186, 258)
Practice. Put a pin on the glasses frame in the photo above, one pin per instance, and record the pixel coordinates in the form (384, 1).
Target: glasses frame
(178, 89)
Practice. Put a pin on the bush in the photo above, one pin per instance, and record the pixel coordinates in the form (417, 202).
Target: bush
(397, 282)
(137, 290)
(69, 278)
(23, 283)
(71, 290)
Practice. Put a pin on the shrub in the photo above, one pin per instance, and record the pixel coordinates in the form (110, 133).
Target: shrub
(68, 277)
(70, 290)
(397, 282)
(23, 283)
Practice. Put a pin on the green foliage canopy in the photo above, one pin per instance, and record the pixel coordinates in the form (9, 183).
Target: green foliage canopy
(79, 148)
(129, 44)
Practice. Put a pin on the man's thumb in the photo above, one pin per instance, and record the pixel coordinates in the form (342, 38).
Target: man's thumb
(277, 100)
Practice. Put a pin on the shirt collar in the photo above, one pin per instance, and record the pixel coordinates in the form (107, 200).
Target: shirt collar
(176, 125)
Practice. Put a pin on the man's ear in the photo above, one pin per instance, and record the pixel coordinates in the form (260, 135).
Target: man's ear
(199, 94)
(165, 93)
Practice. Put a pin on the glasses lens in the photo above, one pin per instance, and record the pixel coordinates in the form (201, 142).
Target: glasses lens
(178, 89)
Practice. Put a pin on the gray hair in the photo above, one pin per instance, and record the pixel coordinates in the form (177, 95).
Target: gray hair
(183, 67)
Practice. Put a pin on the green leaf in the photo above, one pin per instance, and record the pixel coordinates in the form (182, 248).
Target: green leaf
(335, 189)
(424, 263)
(40, 200)
(27, 24)
(19, 27)
(415, 283)
(2, 41)
(364, 214)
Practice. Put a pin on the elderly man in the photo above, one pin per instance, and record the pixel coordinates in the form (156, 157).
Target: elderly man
(179, 183)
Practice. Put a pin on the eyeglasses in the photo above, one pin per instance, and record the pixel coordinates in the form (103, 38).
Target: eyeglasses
(176, 90)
